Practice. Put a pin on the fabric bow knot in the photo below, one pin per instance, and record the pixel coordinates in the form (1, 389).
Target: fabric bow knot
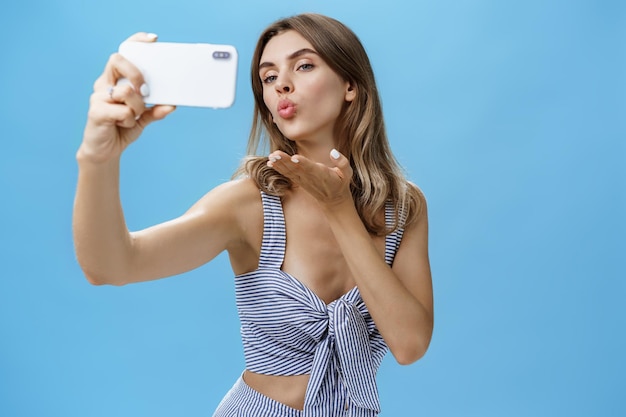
(344, 355)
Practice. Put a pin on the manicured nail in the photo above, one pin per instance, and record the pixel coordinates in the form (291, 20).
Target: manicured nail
(274, 158)
(295, 160)
(152, 36)
(144, 90)
(335, 154)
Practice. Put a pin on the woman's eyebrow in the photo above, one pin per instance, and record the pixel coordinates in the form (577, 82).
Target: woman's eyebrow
(294, 55)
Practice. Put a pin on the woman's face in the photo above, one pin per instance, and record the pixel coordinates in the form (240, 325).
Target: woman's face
(303, 94)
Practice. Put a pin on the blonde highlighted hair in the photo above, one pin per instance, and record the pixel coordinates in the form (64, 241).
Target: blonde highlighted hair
(360, 130)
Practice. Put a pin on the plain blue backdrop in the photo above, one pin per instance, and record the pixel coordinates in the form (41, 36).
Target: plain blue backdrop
(509, 115)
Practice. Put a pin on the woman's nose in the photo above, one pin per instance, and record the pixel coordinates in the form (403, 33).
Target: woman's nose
(283, 85)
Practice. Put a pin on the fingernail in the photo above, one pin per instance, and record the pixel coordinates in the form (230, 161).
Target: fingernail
(273, 159)
(335, 154)
(152, 36)
(144, 90)
(138, 117)
(295, 160)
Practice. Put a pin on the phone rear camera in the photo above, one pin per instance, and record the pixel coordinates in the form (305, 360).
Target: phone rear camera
(221, 55)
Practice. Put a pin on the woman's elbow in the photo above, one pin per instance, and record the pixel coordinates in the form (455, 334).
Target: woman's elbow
(412, 351)
(93, 279)
(100, 278)
(410, 356)
(97, 280)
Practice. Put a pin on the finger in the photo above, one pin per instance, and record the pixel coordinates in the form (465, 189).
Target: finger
(284, 163)
(127, 69)
(143, 37)
(301, 170)
(275, 157)
(341, 164)
(118, 67)
(155, 113)
(126, 94)
(114, 114)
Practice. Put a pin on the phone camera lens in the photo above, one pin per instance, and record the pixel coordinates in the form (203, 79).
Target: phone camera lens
(221, 55)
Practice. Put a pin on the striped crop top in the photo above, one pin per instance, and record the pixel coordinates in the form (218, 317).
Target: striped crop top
(287, 329)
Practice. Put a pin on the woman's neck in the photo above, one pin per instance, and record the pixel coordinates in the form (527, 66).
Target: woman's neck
(316, 150)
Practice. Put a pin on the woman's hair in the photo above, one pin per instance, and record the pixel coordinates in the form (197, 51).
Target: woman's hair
(360, 128)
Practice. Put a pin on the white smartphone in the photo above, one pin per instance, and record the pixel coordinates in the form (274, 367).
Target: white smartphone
(185, 74)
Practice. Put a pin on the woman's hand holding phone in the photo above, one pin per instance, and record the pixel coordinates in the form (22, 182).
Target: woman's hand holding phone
(117, 113)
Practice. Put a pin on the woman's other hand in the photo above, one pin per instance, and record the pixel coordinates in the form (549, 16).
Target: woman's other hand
(329, 184)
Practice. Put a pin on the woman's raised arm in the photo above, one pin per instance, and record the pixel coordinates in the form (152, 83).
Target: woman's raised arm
(106, 251)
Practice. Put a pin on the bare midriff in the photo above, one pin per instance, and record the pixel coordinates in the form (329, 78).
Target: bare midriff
(288, 390)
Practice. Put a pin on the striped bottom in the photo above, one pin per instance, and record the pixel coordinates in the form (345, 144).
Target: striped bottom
(243, 401)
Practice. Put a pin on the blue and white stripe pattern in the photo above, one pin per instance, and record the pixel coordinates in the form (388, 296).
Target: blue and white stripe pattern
(288, 330)
(243, 401)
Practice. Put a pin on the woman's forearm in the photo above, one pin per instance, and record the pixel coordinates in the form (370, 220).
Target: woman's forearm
(101, 238)
(404, 322)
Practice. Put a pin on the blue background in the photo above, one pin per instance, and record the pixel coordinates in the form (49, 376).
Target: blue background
(509, 115)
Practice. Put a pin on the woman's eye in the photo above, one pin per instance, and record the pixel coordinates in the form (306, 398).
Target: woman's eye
(269, 79)
(306, 67)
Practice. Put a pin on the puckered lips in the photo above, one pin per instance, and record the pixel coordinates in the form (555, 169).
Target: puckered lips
(286, 109)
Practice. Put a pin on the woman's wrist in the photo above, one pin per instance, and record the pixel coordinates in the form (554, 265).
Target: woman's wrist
(88, 154)
(339, 209)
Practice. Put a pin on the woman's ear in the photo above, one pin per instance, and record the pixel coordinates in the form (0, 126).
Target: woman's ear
(350, 92)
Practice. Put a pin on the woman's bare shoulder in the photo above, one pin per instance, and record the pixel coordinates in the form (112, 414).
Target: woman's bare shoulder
(234, 195)
(419, 203)
(241, 202)
(246, 199)
(236, 203)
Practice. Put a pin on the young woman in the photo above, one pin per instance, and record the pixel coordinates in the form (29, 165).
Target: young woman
(327, 240)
